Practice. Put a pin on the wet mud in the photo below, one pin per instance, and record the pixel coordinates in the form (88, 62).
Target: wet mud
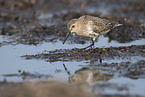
(90, 54)
(33, 22)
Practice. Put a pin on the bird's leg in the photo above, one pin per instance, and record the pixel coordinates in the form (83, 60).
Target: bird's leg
(92, 45)
(93, 41)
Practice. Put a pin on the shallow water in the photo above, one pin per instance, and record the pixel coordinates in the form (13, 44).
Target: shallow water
(12, 65)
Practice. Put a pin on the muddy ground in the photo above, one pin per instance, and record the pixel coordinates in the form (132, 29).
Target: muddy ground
(32, 22)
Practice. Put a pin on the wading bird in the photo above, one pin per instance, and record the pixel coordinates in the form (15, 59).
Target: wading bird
(89, 26)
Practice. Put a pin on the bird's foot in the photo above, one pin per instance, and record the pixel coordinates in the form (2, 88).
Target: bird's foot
(83, 49)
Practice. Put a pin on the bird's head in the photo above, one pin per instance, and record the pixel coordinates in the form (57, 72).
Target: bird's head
(73, 27)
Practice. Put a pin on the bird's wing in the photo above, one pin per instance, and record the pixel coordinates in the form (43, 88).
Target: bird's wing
(102, 25)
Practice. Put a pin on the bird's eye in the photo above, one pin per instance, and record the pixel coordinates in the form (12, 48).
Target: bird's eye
(73, 26)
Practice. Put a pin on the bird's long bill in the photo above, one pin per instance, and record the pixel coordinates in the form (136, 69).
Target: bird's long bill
(66, 37)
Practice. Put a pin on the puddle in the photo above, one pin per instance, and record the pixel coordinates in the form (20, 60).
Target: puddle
(11, 62)
(120, 86)
(135, 87)
(40, 70)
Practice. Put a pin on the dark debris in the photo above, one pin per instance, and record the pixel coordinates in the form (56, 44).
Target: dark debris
(27, 75)
(22, 22)
(90, 54)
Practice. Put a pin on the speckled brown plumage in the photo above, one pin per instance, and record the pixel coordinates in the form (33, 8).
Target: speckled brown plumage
(89, 26)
